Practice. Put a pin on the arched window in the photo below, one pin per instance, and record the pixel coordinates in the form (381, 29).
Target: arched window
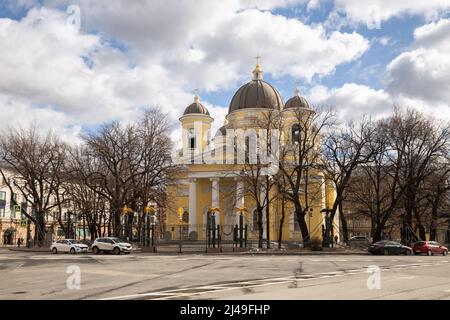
(247, 149)
(255, 219)
(191, 138)
(295, 133)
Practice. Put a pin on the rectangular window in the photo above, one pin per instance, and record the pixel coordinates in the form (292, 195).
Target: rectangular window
(2, 195)
(2, 212)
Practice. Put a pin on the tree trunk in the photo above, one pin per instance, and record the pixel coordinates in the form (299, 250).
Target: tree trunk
(343, 224)
(377, 233)
(280, 232)
(303, 226)
(267, 225)
(434, 214)
(39, 230)
(260, 228)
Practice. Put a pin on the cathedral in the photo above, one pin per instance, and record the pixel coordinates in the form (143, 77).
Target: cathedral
(215, 185)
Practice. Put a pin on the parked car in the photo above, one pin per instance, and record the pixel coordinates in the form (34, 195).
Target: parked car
(358, 242)
(389, 247)
(111, 244)
(429, 248)
(68, 245)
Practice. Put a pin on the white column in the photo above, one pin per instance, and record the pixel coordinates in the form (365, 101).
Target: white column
(239, 198)
(215, 199)
(263, 199)
(192, 204)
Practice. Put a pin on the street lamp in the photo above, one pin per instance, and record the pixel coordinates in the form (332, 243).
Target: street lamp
(212, 224)
(150, 216)
(180, 222)
(241, 210)
(127, 212)
(309, 223)
(326, 229)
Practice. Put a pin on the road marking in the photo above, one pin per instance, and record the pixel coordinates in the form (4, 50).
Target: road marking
(178, 293)
(406, 278)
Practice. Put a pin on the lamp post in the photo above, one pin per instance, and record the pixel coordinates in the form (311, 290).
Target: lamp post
(150, 218)
(180, 221)
(69, 225)
(127, 212)
(241, 211)
(326, 233)
(212, 224)
(309, 223)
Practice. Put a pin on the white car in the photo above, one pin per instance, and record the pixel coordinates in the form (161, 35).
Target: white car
(111, 244)
(68, 245)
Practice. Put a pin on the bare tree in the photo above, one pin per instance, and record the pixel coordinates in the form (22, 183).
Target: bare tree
(34, 163)
(127, 165)
(344, 150)
(416, 141)
(256, 172)
(301, 156)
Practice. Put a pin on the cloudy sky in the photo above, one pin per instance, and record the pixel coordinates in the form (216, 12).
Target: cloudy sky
(71, 65)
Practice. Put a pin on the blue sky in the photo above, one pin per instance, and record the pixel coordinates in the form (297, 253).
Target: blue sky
(358, 56)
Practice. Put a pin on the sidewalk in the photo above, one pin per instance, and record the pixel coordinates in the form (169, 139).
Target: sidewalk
(251, 252)
(25, 249)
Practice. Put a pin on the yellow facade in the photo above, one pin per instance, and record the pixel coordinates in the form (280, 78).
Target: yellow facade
(201, 186)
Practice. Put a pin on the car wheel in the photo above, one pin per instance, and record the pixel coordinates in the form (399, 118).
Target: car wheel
(429, 253)
(54, 251)
(386, 252)
(95, 250)
(116, 251)
(72, 250)
(445, 253)
(408, 253)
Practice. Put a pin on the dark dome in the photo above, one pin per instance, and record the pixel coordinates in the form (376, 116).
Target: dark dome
(297, 102)
(222, 131)
(196, 108)
(256, 94)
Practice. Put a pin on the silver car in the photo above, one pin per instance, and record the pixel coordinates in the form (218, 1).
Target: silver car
(111, 244)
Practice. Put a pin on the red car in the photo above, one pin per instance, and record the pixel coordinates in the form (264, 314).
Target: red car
(430, 248)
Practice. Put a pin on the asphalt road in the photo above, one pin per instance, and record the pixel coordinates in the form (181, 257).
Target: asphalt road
(25, 275)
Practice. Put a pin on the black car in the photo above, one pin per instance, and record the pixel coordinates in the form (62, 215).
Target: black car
(389, 247)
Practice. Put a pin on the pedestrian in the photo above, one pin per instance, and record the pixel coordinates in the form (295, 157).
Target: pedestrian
(19, 242)
(336, 239)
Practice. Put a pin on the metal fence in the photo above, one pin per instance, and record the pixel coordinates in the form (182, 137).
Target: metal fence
(178, 238)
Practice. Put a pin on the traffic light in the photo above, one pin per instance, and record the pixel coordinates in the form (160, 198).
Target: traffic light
(24, 223)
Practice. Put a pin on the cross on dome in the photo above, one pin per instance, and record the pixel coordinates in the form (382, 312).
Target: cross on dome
(257, 73)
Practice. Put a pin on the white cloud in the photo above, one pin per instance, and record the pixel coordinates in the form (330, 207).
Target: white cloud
(171, 47)
(351, 101)
(20, 113)
(373, 12)
(214, 42)
(423, 73)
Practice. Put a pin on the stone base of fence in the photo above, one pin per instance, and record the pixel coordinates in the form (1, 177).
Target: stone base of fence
(149, 249)
(213, 250)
